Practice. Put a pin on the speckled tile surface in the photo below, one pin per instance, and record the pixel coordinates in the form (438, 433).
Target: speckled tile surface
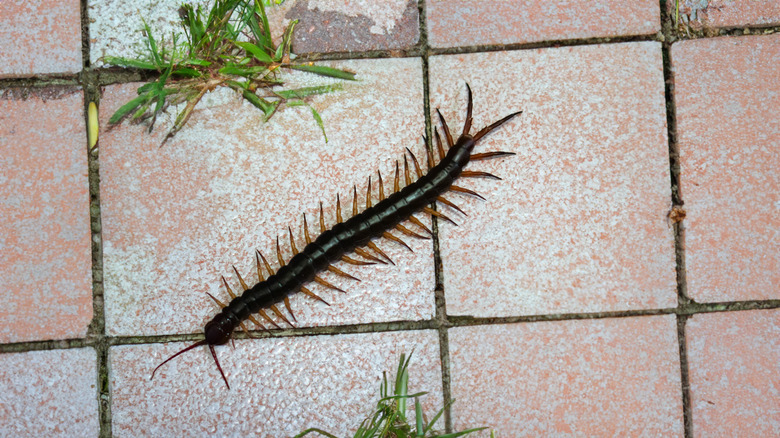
(49, 393)
(454, 23)
(579, 222)
(556, 309)
(734, 362)
(279, 387)
(607, 377)
(45, 261)
(39, 37)
(176, 217)
(727, 103)
(727, 13)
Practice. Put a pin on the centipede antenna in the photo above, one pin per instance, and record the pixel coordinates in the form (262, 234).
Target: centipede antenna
(219, 367)
(354, 201)
(407, 175)
(279, 253)
(460, 189)
(326, 283)
(478, 174)
(413, 219)
(260, 276)
(389, 236)
(381, 186)
(180, 352)
(306, 236)
(494, 125)
(417, 169)
(278, 313)
(368, 194)
(267, 265)
(289, 309)
(365, 254)
(373, 246)
(355, 262)
(265, 316)
(292, 242)
(311, 294)
(486, 155)
(433, 212)
(469, 106)
(396, 185)
(220, 303)
(446, 129)
(409, 232)
(446, 201)
(439, 146)
(339, 218)
(322, 219)
(338, 271)
(240, 280)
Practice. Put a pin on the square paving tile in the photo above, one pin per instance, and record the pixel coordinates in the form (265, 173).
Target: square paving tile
(734, 369)
(49, 393)
(45, 248)
(176, 217)
(453, 23)
(40, 37)
(726, 92)
(279, 386)
(606, 377)
(579, 223)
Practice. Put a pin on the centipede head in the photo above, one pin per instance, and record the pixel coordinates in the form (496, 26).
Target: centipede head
(215, 335)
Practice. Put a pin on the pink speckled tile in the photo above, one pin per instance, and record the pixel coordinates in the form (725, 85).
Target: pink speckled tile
(456, 23)
(279, 386)
(579, 222)
(45, 254)
(727, 104)
(734, 369)
(607, 377)
(40, 37)
(327, 26)
(175, 218)
(727, 13)
(49, 393)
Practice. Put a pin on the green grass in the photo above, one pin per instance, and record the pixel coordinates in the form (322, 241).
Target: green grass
(389, 416)
(228, 46)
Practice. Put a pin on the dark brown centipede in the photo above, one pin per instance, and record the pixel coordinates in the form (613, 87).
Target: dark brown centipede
(353, 235)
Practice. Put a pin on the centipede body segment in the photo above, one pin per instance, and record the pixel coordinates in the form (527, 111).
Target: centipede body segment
(356, 235)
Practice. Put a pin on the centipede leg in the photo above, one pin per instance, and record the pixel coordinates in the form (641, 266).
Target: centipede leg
(478, 174)
(486, 130)
(486, 155)
(460, 189)
(469, 106)
(446, 129)
(446, 201)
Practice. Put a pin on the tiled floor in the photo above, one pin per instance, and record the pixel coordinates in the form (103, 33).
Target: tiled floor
(567, 304)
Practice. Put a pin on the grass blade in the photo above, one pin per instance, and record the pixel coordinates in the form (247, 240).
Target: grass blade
(325, 71)
(257, 52)
(127, 108)
(300, 93)
(152, 45)
(132, 63)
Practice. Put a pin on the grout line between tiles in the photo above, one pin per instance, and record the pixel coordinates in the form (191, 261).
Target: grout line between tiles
(677, 205)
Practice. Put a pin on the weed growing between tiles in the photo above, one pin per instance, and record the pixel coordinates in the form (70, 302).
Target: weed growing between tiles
(389, 417)
(232, 47)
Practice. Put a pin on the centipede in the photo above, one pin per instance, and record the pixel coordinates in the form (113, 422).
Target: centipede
(353, 240)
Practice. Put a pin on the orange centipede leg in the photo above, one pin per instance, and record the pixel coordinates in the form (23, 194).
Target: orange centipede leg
(311, 294)
(439, 146)
(474, 173)
(409, 232)
(326, 283)
(419, 223)
(460, 189)
(338, 271)
(389, 236)
(446, 129)
(289, 309)
(469, 106)
(446, 201)
(417, 169)
(373, 246)
(280, 315)
(433, 212)
(486, 155)
(381, 186)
